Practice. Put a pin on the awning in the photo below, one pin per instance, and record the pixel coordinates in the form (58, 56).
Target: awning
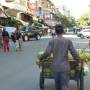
(12, 12)
(15, 12)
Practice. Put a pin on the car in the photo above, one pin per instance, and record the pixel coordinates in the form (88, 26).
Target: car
(28, 33)
(85, 33)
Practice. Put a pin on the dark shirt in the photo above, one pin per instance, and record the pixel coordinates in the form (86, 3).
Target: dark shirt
(5, 33)
(13, 38)
(17, 35)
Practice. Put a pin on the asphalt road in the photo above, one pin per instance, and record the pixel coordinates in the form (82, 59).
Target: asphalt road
(18, 70)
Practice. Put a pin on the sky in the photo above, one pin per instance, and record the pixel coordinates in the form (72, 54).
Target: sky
(77, 7)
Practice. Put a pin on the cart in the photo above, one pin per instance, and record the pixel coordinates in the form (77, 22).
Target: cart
(46, 73)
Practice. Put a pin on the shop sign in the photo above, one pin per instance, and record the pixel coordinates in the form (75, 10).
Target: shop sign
(32, 7)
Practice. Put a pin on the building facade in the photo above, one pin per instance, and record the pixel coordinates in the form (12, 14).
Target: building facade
(12, 7)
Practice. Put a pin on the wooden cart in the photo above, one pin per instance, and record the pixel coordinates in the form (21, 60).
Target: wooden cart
(46, 73)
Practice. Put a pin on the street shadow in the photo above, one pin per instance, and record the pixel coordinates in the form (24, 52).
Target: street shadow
(50, 85)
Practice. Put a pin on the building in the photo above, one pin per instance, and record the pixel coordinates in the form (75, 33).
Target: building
(63, 10)
(48, 8)
(17, 9)
(14, 6)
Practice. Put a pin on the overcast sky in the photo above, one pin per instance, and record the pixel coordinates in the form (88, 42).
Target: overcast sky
(77, 7)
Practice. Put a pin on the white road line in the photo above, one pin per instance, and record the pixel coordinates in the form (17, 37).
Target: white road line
(81, 42)
(68, 36)
(71, 36)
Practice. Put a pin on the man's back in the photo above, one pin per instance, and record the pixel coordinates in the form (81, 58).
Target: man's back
(60, 47)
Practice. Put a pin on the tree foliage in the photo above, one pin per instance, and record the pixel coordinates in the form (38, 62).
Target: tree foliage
(84, 20)
(9, 22)
(66, 21)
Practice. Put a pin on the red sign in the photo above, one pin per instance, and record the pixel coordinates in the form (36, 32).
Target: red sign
(32, 6)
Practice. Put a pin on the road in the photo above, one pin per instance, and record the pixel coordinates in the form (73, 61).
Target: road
(18, 70)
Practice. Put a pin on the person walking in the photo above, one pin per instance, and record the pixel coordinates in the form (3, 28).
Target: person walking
(13, 39)
(59, 47)
(5, 36)
(18, 38)
(0, 39)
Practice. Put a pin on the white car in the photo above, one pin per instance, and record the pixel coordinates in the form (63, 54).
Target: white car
(85, 33)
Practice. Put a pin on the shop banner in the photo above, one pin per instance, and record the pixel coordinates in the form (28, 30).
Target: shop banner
(32, 7)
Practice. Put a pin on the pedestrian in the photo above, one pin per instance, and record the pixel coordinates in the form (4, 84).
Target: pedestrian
(13, 39)
(59, 47)
(74, 30)
(18, 38)
(0, 39)
(10, 45)
(5, 36)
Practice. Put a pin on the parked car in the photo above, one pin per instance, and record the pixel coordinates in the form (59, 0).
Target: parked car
(85, 33)
(28, 33)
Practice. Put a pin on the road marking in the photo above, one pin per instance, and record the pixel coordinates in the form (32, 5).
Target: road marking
(81, 42)
(71, 36)
(68, 36)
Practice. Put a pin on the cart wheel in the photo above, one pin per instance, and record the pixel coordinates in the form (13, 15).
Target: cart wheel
(41, 82)
(78, 85)
(81, 81)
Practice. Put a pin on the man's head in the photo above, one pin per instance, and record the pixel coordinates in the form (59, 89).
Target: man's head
(59, 29)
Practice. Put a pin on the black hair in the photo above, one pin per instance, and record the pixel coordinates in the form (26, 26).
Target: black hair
(59, 29)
